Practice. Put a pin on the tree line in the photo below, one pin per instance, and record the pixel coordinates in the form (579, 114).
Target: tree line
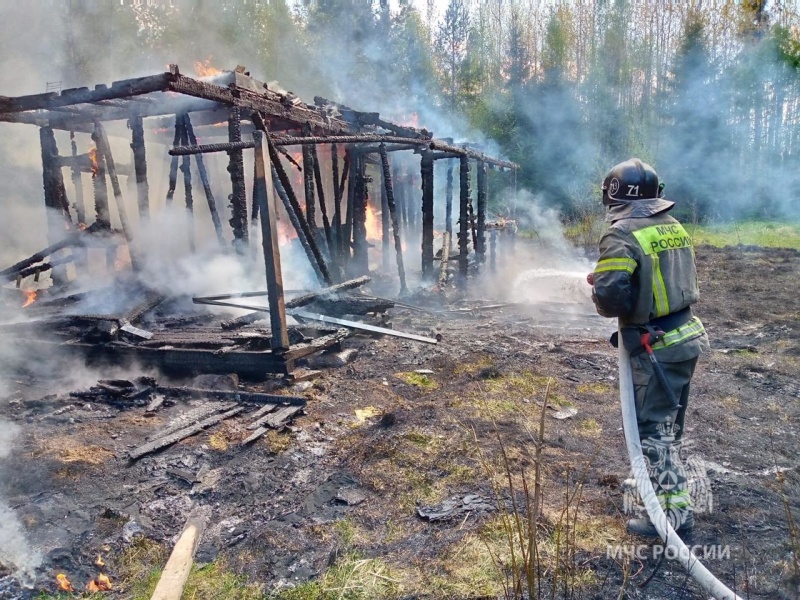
(706, 91)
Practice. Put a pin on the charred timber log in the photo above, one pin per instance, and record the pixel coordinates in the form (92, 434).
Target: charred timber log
(55, 194)
(173, 165)
(140, 166)
(308, 189)
(337, 203)
(266, 102)
(390, 204)
(73, 239)
(463, 218)
(299, 301)
(238, 199)
(80, 206)
(342, 243)
(292, 205)
(360, 201)
(448, 218)
(201, 169)
(105, 150)
(326, 224)
(352, 185)
(482, 183)
(426, 174)
(272, 255)
(467, 153)
(118, 89)
(386, 243)
(186, 169)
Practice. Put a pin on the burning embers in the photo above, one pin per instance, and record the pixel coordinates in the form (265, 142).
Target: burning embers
(101, 583)
(203, 68)
(30, 298)
(95, 164)
(64, 584)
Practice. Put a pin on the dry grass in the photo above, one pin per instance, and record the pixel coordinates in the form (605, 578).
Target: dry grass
(73, 449)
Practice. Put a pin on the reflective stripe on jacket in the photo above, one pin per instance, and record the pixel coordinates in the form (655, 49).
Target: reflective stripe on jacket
(647, 270)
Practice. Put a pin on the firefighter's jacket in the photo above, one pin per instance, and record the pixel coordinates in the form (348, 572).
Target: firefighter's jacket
(647, 270)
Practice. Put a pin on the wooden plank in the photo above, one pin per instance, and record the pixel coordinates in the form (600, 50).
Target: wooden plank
(173, 578)
(275, 419)
(182, 434)
(191, 417)
(235, 395)
(272, 254)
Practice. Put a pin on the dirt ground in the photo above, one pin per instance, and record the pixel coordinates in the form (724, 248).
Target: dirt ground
(336, 498)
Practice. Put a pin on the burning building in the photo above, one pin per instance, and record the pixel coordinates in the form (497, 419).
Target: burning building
(355, 198)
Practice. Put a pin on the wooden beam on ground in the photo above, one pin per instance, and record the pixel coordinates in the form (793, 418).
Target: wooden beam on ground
(182, 434)
(176, 571)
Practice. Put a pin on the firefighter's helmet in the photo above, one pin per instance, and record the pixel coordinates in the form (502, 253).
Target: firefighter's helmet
(631, 180)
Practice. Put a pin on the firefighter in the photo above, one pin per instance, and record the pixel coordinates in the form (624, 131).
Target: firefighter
(646, 278)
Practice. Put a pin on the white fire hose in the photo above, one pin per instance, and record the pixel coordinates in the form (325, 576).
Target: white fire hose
(674, 545)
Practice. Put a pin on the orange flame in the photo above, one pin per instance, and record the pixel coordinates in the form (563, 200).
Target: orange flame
(30, 298)
(373, 224)
(95, 164)
(63, 583)
(101, 583)
(203, 68)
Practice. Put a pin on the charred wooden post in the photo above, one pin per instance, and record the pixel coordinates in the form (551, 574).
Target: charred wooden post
(80, 254)
(308, 189)
(279, 341)
(173, 165)
(352, 183)
(80, 206)
(186, 169)
(463, 217)
(480, 246)
(472, 227)
(448, 218)
(201, 169)
(337, 202)
(140, 166)
(293, 204)
(238, 196)
(426, 174)
(102, 214)
(55, 194)
(360, 201)
(390, 204)
(386, 243)
(105, 151)
(322, 206)
(443, 267)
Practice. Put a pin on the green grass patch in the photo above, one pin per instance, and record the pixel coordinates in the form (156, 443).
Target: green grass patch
(770, 234)
(417, 380)
(594, 388)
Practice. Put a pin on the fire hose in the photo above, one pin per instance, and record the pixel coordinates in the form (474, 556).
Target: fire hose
(674, 545)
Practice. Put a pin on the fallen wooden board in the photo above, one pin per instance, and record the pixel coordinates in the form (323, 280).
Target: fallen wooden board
(173, 577)
(191, 417)
(181, 434)
(276, 419)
